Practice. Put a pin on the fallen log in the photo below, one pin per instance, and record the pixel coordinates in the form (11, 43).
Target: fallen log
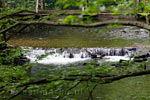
(98, 24)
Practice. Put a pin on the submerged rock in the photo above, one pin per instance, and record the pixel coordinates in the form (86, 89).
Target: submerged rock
(141, 58)
(21, 61)
(71, 56)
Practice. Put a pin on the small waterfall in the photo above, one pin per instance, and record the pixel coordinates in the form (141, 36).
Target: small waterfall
(72, 55)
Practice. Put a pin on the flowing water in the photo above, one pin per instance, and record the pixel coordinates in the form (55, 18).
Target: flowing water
(71, 46)
(64, 56)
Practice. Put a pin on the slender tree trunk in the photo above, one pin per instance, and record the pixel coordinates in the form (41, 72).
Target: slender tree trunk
(147, 19)
(136, 2)
(2, 3)
(144, 1)
(42, 4)
(37, 6)
(86, 5)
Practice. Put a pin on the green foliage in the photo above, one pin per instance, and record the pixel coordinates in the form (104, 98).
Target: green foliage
(142, 98)
(16, 75)
(69, 19)
(53, 16)
(50, 17)
(1, 39)
(20, 4)
(8, 56)
(114, 25)
(67, 3)
(11, 76)
(45, 55)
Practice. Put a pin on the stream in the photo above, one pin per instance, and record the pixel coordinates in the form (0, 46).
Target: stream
(69, 46)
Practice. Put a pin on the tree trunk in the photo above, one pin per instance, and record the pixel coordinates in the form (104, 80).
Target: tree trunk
(144, 1)
(2, 4)
(37, 6)
(136, 3)
(86, 5)
(42, 4)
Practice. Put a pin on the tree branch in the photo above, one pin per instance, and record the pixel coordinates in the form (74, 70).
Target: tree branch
(115, 78)
(44, 81)
(70, 89)
(91, 92)
(15, 95)
(21, 28)
(105, 79)
(7, 29)
(16, 13)
(96, 75)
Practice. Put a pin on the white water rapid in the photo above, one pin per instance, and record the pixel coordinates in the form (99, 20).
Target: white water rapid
(63, 56)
